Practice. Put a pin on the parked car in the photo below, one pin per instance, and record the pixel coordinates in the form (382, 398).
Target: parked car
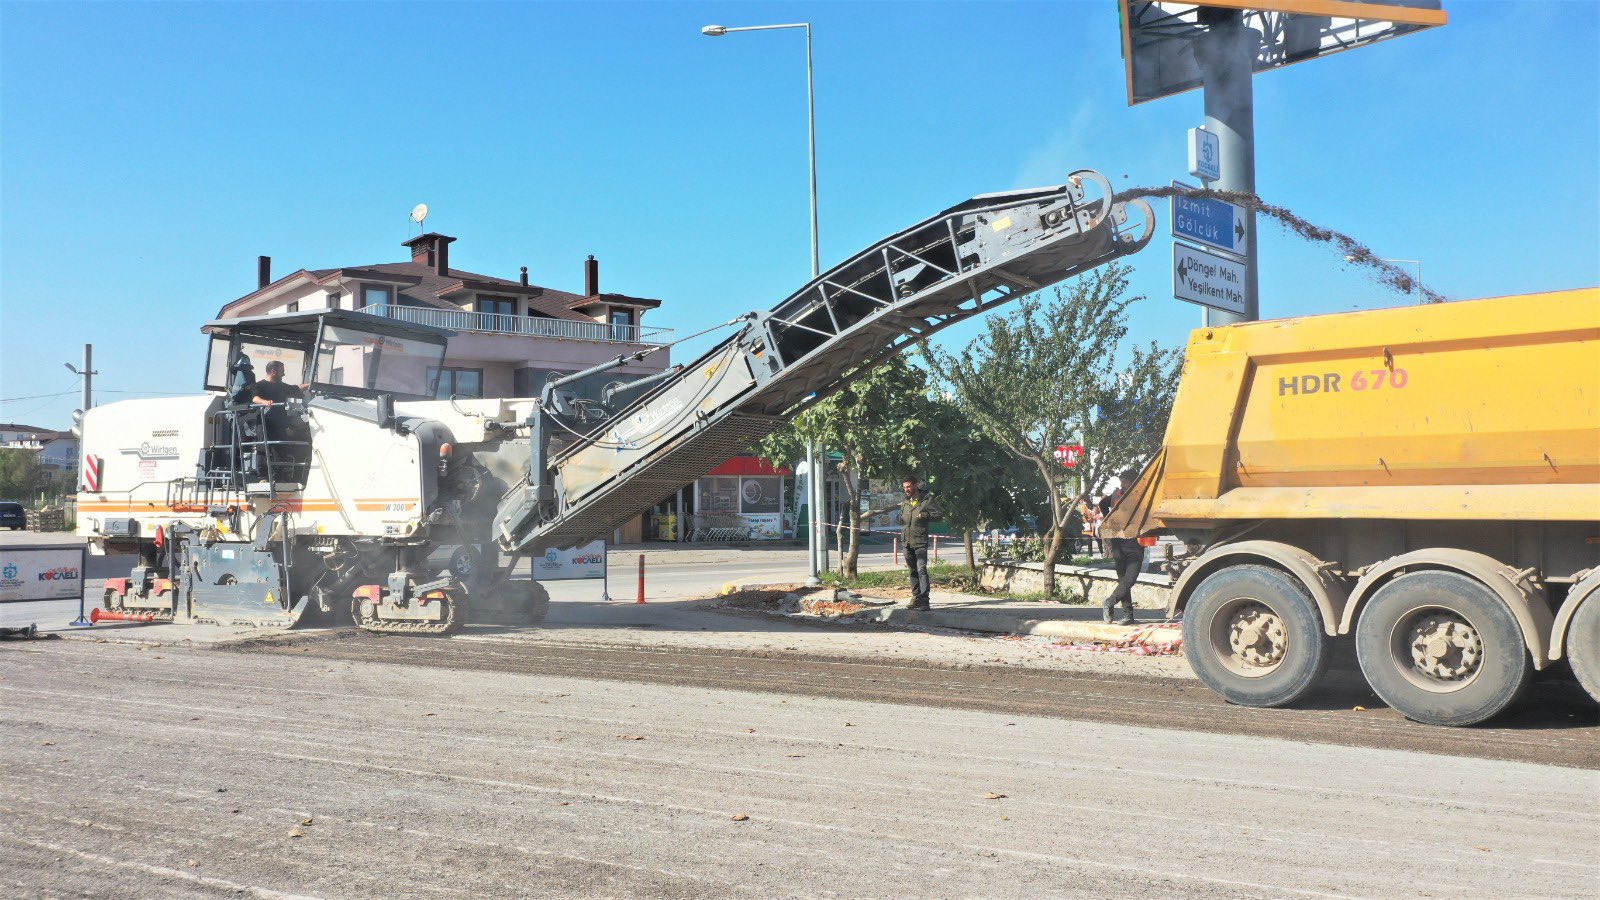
(12, 515)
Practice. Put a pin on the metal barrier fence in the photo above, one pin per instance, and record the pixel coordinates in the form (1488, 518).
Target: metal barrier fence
(532, 326)
(49, 520)
(717, 527)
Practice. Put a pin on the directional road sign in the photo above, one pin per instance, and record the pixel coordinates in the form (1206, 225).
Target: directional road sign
(1207, 279)
(1211, 222)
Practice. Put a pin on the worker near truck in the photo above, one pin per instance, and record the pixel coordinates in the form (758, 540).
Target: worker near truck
(916, 511)
(1127, 554)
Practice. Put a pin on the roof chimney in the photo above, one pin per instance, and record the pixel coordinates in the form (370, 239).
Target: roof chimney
(591, 276)
(524, 276)
(431, 249)
(263, 271)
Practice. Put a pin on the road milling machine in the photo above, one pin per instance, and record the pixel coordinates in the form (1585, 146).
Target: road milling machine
(369, 498)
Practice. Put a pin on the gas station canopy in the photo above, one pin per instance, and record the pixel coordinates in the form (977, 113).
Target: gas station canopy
(1157, 36)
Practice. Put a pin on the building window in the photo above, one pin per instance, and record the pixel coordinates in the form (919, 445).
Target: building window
(500, 305)
(497, 313)
(294, 306)
(454, 382)
(621, 324)
(333, 299)
(375, 296)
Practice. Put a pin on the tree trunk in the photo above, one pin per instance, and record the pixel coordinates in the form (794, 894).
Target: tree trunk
(972, 556)
(1057, 521)
(1052, 551)
(848, 563)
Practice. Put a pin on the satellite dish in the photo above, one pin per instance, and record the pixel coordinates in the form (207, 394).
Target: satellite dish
(419, 212)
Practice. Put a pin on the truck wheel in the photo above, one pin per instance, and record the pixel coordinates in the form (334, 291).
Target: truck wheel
(1254, 636)
(1583, 646)
(1442, 649)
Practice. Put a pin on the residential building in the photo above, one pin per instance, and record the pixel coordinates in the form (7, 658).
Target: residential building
(57, 449)
(511, 335)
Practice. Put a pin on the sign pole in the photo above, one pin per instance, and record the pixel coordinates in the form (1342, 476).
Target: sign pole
(82, 621)
(1226, 54)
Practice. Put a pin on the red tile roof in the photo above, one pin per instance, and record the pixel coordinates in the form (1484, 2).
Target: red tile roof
(420, 285)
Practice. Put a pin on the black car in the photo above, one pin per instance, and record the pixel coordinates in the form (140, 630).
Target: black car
(12, 515)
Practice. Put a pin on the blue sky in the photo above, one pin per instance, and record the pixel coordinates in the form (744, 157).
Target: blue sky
(149, 152)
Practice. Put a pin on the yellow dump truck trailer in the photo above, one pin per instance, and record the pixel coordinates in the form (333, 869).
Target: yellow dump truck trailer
(1426, 478)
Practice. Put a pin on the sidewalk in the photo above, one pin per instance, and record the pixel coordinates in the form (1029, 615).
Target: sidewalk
(1076, 624)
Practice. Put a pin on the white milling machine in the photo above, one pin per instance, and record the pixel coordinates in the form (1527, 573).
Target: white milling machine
(369, 498)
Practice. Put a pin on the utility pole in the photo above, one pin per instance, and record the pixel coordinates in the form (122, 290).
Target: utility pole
(1226, 52)
(88, 377)
(88, 374)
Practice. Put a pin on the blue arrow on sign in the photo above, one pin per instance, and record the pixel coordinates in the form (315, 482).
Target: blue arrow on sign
(1214, 223)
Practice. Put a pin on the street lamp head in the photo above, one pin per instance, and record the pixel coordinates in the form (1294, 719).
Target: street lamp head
(72, 368)
(1349, 259)
(714, 30)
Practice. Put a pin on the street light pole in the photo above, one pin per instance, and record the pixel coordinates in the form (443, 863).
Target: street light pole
(816, 456)
(88, 374)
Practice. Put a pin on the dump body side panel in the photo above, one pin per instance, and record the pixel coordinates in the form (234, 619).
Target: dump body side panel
(1485, 409)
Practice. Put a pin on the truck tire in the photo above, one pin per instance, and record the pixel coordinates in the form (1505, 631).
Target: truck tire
(1254, 636)
(1583, 645)
(1442, 649)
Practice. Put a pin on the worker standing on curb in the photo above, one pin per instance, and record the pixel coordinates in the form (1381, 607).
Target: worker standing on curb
(1127, 554)
(916, 511)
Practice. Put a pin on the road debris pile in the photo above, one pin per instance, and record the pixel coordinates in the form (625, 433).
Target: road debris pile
(1157, 639)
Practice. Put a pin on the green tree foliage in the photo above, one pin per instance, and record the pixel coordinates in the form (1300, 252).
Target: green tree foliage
(979, 485)
(23, 479)
(1048, 374)
(881, 423)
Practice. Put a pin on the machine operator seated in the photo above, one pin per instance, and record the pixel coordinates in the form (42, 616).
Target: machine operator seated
(287, 460)
(273, 390)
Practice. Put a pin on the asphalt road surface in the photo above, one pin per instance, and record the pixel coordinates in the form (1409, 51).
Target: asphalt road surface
(609, 753)
(350, 765)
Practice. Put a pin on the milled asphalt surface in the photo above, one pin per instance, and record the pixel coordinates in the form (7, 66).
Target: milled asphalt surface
(177, 772)
(501, 763)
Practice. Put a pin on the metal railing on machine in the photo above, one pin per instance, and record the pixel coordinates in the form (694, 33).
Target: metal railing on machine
(531, 326)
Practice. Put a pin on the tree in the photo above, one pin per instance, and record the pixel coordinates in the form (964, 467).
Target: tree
(977, 482)
(1048, 374)
(21, 476)
(880, 422)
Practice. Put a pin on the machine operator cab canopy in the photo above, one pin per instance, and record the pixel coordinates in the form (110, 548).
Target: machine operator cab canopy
(334, 352)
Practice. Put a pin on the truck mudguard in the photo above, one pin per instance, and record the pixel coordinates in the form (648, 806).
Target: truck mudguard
(1525, 599)
(1587, 588)
(1326, 590)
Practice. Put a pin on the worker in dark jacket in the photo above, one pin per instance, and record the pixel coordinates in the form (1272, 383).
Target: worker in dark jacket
(916, 511)
(1128, 556)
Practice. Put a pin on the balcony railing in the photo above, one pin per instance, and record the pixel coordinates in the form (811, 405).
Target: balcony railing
(528, 326)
